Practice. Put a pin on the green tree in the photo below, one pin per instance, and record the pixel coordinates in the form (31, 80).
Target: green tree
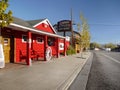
(5, 17)
(85, 34)
(94, 45)
(110, 45)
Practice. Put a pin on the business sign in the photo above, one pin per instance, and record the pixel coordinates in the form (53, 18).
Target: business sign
(61, 46)
(67, 38)
(64, 25)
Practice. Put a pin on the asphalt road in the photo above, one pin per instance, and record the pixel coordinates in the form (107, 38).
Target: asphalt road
(104, 73)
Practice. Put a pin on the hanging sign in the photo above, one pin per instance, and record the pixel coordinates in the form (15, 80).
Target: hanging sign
(64, 25)
(61, 46)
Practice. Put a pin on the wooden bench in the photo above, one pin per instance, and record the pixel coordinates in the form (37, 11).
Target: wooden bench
(35, 55)
(23, 55)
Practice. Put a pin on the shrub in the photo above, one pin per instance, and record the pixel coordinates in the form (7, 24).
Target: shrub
(70, 51)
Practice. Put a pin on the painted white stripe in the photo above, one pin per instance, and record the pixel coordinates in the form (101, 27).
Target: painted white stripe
(115, 60)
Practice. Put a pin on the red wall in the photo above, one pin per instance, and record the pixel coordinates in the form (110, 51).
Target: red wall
(67, 44)
(21, 47)
(43, 27)
(53, 47)
(54, 50)
(38, 47)
(61, 41)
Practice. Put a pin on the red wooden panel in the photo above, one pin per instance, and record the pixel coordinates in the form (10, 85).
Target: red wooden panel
(45, 27)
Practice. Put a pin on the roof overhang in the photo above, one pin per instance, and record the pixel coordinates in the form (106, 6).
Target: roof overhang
(23, 28)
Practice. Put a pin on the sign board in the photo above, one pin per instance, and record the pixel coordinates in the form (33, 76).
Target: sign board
(2, 62)
(61, 46)
(67, 38)
(64, 25)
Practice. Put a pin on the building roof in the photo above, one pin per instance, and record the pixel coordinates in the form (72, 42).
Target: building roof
(25, 26)
(34, 22)
(21, 22)
(77, 33)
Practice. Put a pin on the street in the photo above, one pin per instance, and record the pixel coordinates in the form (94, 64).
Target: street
(104, 73)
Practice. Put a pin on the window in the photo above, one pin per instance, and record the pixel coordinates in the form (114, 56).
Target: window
(24, 38)
(39, 40)
(6, 41)
(51, 41)
(44, 25)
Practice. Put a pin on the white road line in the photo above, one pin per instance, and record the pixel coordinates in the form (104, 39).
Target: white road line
(111, 58)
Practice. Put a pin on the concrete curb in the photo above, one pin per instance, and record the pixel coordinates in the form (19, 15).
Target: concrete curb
(81, 80)
(66, 84)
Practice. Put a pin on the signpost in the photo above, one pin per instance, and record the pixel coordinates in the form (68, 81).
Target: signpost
(64, 25)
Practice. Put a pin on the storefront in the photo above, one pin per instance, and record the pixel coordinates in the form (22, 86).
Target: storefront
(24, 41)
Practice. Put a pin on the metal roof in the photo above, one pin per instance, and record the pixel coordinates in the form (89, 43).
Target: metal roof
(21, 22)
(34, 22)
(25, 25)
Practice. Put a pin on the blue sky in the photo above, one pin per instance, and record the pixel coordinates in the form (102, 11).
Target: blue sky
(103, 16)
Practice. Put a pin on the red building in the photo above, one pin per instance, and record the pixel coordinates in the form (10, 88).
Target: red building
(24, 41)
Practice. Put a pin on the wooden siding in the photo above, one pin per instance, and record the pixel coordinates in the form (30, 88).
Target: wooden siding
(45, 27)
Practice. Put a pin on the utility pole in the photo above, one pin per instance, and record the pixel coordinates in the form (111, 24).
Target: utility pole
(72, 27)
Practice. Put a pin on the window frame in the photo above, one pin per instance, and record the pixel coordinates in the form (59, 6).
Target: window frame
(37, 41)
(23, 40)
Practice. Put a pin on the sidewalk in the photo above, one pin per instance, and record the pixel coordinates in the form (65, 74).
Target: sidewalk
(56, 74)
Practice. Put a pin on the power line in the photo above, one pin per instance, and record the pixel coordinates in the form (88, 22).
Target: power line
(102, 24)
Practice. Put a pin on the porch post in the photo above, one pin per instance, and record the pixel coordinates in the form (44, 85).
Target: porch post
(45, 46)
(65, 47)
(57, 48)
(29, 62)
(0, 35)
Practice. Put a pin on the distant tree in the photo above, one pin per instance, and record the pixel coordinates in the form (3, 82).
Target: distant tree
(94, 45)
(5, 17)
(110, 45)
(85, 34)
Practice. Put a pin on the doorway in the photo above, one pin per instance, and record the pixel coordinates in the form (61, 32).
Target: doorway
(8, 48)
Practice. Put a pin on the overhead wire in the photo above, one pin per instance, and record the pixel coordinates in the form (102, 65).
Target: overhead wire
(102, 24)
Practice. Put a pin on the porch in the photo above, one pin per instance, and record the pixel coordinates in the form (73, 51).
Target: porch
(28, 45)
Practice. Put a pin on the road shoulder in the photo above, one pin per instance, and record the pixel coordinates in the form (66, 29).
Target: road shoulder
(80, 81)
(81, 69)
